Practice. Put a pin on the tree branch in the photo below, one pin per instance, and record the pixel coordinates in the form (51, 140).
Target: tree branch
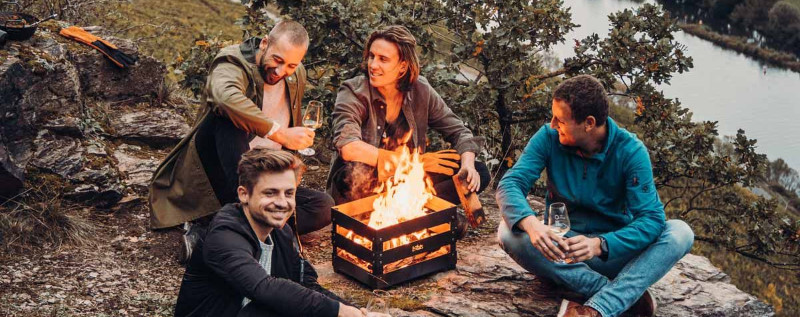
(781, 265)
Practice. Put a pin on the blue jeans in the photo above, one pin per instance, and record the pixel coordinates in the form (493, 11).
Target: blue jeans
(611, 286)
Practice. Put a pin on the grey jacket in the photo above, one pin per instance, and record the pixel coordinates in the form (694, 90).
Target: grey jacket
(356, 118)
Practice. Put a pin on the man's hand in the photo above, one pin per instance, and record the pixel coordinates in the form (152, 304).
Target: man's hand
(583, 248)
(468, 167)
(294, 138)
(442, 162)
(349, 311)
(543, 239)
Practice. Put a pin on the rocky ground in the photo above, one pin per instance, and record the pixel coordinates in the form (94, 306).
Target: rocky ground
(70, 117)
(132, 271)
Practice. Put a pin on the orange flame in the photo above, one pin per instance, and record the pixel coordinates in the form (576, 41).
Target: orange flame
(403, 196)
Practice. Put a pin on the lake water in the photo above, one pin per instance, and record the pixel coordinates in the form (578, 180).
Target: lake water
(723, 86)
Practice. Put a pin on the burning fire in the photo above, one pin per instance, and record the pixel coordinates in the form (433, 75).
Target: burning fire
(401, 198)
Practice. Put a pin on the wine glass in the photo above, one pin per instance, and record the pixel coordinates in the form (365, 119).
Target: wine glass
(312, 119)
(377, 307)
(558, 219)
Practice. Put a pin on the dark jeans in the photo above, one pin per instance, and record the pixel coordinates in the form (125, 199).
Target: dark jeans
(355, 180)
(221, 145)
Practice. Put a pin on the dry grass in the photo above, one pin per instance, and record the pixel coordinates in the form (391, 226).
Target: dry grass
(39, 218)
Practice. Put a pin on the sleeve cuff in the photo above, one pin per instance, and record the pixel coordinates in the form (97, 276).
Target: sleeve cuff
(472, 144)
(345, 141)
(275, 127)
(612, 243)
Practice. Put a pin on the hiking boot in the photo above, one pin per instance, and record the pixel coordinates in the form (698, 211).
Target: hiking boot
(645, 306)
(569, 308)
(194, 232)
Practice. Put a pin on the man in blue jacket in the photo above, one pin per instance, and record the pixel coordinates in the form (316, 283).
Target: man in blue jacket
(619, 243)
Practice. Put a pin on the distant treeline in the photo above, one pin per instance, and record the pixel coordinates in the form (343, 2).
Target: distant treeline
(777, 20)
(779, 58)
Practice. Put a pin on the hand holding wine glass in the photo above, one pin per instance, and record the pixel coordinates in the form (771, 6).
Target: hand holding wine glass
(312, 119)
(558, 219)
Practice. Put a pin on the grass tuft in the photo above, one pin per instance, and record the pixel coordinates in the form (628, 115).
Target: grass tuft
(39, 218)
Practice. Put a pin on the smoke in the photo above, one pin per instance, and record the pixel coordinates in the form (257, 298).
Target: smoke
(362, 180)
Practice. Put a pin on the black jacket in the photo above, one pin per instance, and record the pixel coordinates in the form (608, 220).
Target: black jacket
(228, 270)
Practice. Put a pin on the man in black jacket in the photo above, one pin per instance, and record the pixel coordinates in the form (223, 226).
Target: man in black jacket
(251, 263)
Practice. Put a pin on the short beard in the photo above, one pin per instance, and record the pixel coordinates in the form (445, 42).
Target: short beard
(265, 73)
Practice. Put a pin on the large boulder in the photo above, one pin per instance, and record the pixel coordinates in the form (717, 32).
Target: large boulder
(65, 109)
(695, 287)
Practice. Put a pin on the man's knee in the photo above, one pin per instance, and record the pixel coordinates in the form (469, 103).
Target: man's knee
(504, 236)
(514, 244)
(680, 235)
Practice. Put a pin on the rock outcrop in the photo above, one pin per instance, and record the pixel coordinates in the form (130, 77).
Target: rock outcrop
(487, 282)
(69, 112)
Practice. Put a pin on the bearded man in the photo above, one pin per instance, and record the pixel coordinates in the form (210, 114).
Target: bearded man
(252, 99)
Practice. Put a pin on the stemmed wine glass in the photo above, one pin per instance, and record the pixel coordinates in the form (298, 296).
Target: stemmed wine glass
(558, 219)
(312, 119)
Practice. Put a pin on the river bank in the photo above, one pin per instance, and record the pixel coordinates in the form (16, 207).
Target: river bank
(740, 44)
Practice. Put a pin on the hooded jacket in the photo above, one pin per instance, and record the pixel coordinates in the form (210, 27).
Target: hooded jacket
(228, 270)
(180, 189)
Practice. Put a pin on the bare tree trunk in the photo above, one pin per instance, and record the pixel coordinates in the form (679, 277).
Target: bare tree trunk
(505, 130)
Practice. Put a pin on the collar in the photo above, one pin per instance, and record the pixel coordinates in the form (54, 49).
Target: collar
(249, 48)
(612, 133)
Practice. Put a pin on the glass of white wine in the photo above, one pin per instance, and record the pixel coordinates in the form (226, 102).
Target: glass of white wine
(312, 119)
(558, 219)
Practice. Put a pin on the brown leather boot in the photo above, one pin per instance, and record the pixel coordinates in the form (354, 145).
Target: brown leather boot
(572, 309)
(645, 306)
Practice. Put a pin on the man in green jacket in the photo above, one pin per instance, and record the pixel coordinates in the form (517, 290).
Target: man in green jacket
(253, 99)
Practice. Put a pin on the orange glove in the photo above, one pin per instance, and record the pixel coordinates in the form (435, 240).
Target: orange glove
(119, 58)
(442, 162)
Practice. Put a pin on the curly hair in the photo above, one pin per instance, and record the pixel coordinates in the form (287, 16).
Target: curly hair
(260, 160)
(406, 44)
(585, 96)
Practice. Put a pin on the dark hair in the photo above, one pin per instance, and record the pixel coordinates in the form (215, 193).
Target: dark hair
(406, 44)
(291, 30)
(259, 160)
(585, 96)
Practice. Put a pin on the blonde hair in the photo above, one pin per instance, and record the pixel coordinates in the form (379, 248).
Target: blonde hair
(406, 44)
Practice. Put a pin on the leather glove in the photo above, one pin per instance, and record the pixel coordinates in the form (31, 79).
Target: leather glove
(387, 163)
(117, 57)
(442, 162)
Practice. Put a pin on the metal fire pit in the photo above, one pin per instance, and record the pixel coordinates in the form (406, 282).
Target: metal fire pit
(378, 267)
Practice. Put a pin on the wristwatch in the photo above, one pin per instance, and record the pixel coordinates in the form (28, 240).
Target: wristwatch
(603, 248)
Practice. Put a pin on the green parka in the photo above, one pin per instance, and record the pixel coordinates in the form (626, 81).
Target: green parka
(180, 190)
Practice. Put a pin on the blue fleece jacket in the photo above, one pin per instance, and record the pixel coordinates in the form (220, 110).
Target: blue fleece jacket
(610, 194)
